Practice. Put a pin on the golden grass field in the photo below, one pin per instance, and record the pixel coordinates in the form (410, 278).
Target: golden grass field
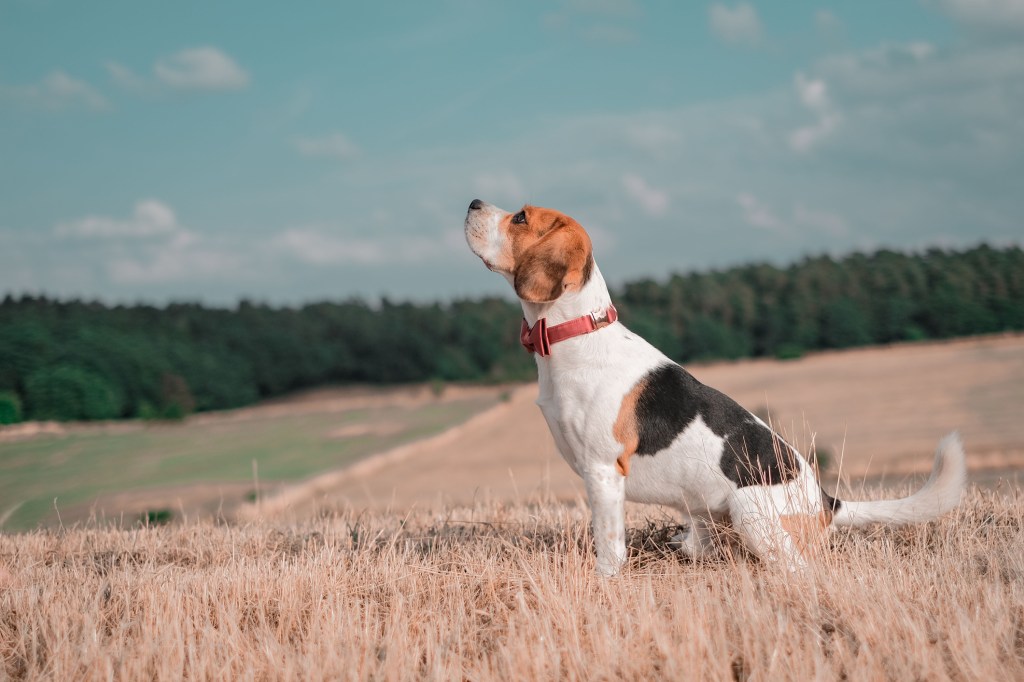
(466, 554)
(509, 592)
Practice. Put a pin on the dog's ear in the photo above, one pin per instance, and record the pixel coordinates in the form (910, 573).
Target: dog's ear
(561, 260)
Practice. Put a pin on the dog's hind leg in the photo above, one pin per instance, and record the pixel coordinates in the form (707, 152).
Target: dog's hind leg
(777, 524)
(699, 541)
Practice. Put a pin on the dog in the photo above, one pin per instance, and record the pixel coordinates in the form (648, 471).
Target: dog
(635, 425)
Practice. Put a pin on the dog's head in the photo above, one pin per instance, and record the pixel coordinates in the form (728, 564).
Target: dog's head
(543, 253)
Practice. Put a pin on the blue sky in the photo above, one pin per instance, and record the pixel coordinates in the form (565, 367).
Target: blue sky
(214, 151)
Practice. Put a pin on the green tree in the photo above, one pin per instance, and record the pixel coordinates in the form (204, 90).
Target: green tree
(175, 397)
(66, 392)
(843, 325)
(10, 407)
(707, 338)
(26, 344)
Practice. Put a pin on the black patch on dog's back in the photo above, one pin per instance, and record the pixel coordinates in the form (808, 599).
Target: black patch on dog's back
(662, 412)
(672, 398)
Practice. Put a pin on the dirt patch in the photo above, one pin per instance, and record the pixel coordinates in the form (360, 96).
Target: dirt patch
(28, 430)
(357, 430)
(504, 453)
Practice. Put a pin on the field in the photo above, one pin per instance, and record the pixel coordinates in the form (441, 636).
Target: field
(205, 465)
(507, 592)
(464, 552)
(875, 414)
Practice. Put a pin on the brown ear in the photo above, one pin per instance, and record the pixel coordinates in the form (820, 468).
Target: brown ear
(560, 260)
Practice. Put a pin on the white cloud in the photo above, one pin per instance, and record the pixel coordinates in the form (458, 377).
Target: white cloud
(318, 246)
(335, 145)
(805, 138)
(930, 143)
(813, 94)
(64, 88)
(653, 138)
(924, 110)
(824, 221)
(149, 218)
(739, 25)
(757, 214)
(149, 247)
(989, 16)
(653, 201)
(183, 257)
(201, 68)
(799, 223)
(55, 92)
(125, 77)
(910, 68)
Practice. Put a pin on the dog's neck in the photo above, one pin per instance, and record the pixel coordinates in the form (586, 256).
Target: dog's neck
(572, 304)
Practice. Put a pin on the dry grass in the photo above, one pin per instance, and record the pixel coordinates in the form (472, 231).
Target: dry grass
(508, 592)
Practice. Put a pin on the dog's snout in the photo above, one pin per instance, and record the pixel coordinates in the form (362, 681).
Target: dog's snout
(476, 204)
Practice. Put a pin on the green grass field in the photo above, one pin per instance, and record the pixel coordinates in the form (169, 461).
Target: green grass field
(74, 468)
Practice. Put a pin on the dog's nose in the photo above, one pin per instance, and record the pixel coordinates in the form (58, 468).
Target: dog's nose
(475, 204)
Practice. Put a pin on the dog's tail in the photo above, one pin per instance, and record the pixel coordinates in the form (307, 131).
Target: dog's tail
(941, 492)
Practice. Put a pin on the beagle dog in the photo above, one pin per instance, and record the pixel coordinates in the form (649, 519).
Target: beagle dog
(635, 425)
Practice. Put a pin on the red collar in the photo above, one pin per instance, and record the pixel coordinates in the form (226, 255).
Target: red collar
(541, 337)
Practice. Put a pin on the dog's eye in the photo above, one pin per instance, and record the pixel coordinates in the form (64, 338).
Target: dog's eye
(519, 218)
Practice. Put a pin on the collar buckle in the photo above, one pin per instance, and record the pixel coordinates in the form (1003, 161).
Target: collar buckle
(601, 317)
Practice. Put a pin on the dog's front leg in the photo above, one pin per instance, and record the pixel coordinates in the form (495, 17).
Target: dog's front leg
(606, 492)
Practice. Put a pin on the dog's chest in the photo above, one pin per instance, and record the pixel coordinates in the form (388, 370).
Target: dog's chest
(579, 412)
(565, 421)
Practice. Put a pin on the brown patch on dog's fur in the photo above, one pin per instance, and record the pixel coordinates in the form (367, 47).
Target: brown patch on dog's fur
(807, 530)
(626, 430)
(551, 252)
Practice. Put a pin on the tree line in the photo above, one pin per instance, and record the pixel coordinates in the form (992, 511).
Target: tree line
(88, 360)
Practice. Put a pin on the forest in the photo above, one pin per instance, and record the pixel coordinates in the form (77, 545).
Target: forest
(82, 360)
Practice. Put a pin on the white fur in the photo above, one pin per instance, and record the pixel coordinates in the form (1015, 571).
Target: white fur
(582, 386)
(941, 492)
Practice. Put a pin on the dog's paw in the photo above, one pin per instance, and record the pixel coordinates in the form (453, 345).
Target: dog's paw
(696, 542)
(608, 567)
(682, 542)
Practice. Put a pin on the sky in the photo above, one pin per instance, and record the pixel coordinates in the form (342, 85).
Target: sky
(294, 152)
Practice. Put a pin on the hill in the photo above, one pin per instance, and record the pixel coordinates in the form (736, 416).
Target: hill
(73, 360)
(207, 465)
